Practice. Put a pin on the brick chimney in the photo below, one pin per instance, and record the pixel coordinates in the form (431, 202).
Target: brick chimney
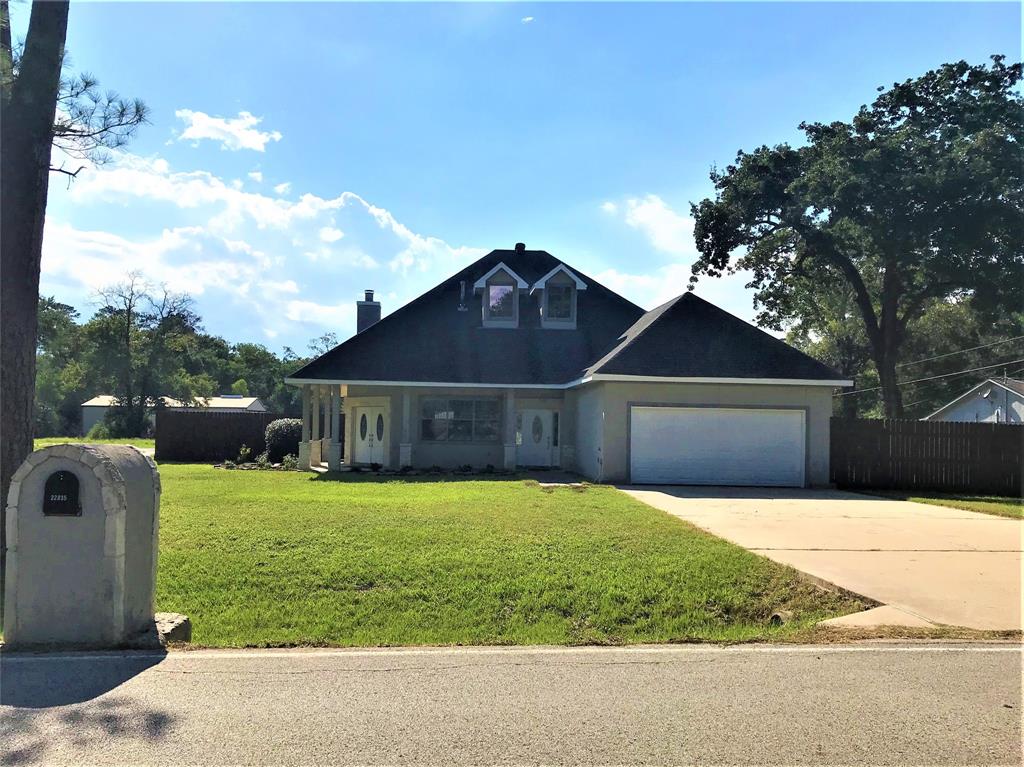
(367, 312)
(520, 247)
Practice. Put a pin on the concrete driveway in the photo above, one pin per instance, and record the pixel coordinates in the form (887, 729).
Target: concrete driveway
(927, 564)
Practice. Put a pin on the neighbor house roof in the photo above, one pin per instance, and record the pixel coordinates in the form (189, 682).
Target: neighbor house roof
(688, 337)
(1010, 384)
(225, 402)
(439, 337)
(109, 400)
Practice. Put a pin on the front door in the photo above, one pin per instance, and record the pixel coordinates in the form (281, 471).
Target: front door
(370, 436)
(534, 437)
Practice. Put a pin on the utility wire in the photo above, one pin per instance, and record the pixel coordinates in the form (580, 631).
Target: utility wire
(962, 351)
(932, 378)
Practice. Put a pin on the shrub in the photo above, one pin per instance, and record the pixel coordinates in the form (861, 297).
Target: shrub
(282, 437)
(290, 463)
(263, 461)
(243, 453)
(99, 431)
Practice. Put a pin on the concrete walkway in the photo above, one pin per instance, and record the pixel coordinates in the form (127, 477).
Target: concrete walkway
(942, 565)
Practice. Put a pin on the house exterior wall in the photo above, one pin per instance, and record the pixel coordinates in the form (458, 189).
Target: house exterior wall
(1001, 406)
(606, 409)
(448, 455)
(92, 415)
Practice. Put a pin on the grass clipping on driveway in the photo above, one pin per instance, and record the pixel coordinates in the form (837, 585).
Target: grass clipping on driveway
(272, 558)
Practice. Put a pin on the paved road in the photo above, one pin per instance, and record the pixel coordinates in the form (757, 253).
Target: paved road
(878, 705)
(944, 565)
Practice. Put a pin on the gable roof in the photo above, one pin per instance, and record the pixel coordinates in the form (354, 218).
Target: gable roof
(563, 269)
(430, 340)
(1010, 384)
(499, 267)
(688, 337)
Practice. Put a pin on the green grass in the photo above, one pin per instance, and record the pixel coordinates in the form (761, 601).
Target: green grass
(986, 504)
(282, 558)
(49, 441)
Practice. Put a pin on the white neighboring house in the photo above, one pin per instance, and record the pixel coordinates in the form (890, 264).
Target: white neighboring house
(994, 400)
(95, 409)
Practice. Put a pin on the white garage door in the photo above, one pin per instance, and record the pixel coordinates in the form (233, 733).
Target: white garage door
(716, 446)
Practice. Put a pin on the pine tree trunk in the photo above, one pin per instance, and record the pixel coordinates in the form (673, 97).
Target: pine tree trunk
(26, 135)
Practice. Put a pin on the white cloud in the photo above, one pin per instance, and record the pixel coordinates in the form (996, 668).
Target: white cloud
(283, 188)
(256, 176)
(527, 19)
(283, 264)
(233, 133)
(664, 228)
(610, 207)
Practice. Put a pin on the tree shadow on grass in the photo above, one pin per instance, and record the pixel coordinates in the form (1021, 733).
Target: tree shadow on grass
(60, 700)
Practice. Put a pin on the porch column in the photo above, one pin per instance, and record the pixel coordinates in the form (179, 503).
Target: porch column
(510, 430)
(314, 442)
(334, 448)
(304, 442)
(405, 446)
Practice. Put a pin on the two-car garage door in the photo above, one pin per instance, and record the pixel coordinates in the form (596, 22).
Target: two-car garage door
(717, 446)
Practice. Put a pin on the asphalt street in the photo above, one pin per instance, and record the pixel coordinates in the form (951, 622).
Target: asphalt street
(855, 704)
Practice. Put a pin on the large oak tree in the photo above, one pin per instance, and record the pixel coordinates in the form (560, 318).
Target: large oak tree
(918, 198)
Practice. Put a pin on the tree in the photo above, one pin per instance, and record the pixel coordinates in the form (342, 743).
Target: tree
(240, 387)
(919, 198)
(38, 111)
(323, 344)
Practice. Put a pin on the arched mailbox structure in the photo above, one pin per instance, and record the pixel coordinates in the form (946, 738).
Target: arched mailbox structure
(82, 524)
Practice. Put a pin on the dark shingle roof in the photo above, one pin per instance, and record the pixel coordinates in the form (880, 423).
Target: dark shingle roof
(688, 337)
(430, 340)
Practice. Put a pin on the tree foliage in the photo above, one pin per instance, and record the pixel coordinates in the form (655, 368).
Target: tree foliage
(919, 198)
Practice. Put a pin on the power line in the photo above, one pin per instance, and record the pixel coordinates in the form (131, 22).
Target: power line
(932, 378)
(962, 351)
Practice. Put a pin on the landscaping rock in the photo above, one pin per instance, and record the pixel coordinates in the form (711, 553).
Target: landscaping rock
(173, 627)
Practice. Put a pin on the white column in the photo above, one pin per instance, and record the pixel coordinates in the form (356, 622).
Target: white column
(304, 442)
(405, 446)
(510, 430)
(315, 445)
(334, 448)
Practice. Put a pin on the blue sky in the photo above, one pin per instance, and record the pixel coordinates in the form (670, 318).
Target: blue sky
(300, 153)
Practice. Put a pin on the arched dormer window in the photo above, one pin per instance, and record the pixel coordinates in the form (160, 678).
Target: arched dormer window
(499, 290)
(559, 292)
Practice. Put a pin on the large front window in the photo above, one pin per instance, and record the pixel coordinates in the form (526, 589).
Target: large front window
(460, 420)
(499, 301)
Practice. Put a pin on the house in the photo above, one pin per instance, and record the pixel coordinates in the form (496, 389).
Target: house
(521, 360)
(95, 409)
(994, 400)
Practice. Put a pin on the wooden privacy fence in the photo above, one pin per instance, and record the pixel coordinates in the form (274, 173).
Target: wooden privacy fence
(208, 435)
(982, 458)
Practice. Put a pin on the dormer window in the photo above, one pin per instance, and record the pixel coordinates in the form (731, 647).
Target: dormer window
(559, 292)
(499, 290)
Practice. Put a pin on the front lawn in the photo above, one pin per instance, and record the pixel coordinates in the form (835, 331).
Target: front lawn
(50, 441)
(279, 558)
(986, 504)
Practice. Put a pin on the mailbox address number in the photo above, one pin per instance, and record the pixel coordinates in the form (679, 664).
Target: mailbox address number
(60, 495)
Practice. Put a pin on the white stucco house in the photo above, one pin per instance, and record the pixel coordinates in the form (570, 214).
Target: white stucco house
(520, 360)
(994, 400)
(95, 410)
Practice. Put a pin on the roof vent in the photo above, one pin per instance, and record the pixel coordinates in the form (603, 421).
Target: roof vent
(520, 247)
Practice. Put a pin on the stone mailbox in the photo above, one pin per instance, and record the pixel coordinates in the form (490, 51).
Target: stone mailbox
(82, 525)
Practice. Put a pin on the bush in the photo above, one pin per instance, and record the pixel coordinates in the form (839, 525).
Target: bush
(290, 463)
(282, 437)
(243, 453)
(99, 431)
(262, 461)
